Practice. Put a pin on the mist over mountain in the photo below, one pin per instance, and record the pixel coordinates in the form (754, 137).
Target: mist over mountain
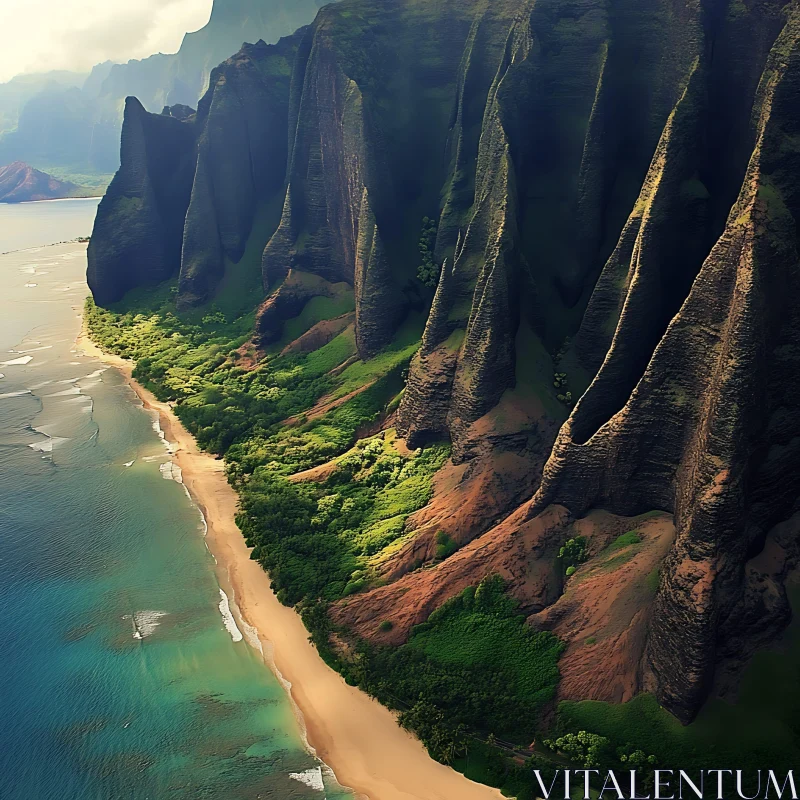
(71, 123)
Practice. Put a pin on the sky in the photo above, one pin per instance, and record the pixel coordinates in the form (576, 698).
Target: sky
(40, 35)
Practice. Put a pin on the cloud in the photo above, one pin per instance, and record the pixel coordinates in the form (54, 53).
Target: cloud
(77, 34)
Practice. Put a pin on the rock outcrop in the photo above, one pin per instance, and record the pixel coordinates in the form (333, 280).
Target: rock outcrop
(192, 188)
(241, 162)
(137, 233)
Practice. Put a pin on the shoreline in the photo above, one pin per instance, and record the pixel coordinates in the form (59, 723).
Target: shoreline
(359, 739)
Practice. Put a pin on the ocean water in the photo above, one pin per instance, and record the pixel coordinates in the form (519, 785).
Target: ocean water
(123, 673)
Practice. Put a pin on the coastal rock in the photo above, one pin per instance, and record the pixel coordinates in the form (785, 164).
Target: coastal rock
(136, 239)
(241, 163)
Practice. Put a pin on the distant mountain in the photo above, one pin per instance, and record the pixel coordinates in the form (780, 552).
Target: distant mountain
(166, 80)
(74, 127)
(19, 90)
(21, 183)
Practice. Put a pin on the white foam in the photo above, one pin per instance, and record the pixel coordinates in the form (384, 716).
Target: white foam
(203, 523)
(36, 349)
(15, 394)
(311, 778)
(161, 435)
(227, 618)
(31, 285)
(66, 392)
(129, 463)
(171, 472)
(96, 374)
(145, 623)
(17, 362)
(48, 444)
(251, 634)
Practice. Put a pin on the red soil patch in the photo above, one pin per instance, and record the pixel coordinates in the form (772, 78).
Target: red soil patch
(604, 612)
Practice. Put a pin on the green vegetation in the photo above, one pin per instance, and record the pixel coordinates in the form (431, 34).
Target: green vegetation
(285, 414)
(583, 748)
(629, 538)
(428, 270)
(572, 554)
(445, 546)
(474, 671)
(321, 540)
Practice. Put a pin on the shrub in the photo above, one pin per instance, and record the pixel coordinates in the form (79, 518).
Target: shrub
(428, 271)
(573, 553)
(445, 546)
(627, 539)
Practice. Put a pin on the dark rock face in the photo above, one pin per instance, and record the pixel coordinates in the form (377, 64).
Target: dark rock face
(136, 239)
(379, 305)
(190, 185)
(682, 299)
(704, 431)
(241, 162)
(20, 183)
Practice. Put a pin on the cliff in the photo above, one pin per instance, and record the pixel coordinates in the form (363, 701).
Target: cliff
(610, 346)
(20, 183)
(136, 239)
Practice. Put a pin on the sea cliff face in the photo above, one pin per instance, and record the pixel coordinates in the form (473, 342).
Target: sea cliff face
(611, 342)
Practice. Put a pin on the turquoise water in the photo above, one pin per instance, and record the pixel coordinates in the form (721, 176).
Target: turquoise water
(120, 676)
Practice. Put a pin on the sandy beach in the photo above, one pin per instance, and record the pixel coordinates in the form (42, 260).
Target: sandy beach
(357, 737)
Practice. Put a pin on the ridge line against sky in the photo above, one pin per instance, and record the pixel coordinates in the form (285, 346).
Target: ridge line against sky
(77, 34)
